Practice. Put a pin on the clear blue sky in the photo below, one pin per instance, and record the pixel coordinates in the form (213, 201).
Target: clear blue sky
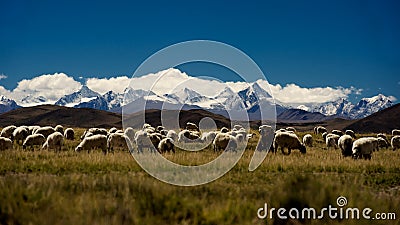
(310, 43)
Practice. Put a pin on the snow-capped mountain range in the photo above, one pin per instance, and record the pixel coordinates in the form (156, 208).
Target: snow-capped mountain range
(220, 98)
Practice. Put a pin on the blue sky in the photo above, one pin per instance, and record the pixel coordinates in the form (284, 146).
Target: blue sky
(308, 43)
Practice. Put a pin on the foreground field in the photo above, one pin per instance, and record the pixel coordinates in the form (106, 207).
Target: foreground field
(44, 187)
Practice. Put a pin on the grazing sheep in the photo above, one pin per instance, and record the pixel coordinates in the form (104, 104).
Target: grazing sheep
(5, 143)
(346, 144)
(146, 125)
(173, 135)
(188, 136)
(32, 140)
(160, 128)
(291, 129)
(324, 136)
(150, 130)
(19, 134)
(163, 132)
(395, 132)
(337, 132)
(289, 141)
(238, 127)
(281, 130)
(363, 148)
(334, 136)
(155, 141)
(118, 140)
(45, 131)
(240, 138)
(308, 140)
(382, 143)
(54, 141)
(93, 131)
(224, 142)
(351, 133)
(112, 130)
(266, 138)
(96, 141)
(166, 145)
(32, 129)
(130, 133)
(69, 134)
(321, 130)
(224, 130)
(59, 128)
(142, 140)
(395, 142)
(191, 126)
(382, 135)
(208, 137)
(7, 132)
(331, 142)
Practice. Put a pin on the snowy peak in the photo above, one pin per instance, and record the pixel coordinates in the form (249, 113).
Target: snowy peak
(7, 104)
(344, 108)
(85, 94)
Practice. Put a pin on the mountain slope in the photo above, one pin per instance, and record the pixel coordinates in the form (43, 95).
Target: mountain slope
(383, 121)
(85, 94)
(52, 115)
(298, 115)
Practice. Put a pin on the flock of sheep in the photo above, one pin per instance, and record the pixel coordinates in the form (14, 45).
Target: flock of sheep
(159, 139)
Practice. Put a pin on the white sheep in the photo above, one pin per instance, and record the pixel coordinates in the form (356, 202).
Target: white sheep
(337, 132)
(166, 145)
(334, 136)
(160, 128)
(266, 138)
(118, 140)
(363, 148)
(173, 135)
(130, 133)
(93, 131)
(34, 139)
(224, 130)
(351, 133)
(208, 137)
(7, 132)
(395, 142)
(382, 143)
(191, 126)
(324, 136)
(142, 140)
(382, 135)
(188, 136)
(238, 127)
(308, 140)
(291, 129)
(331, 142)
(224, 141)
(19, 134)
(5, 143)
(395, 132)
(45, 131)
(112, 130)
(346, 144)
(69, 134)
(59, 128)
(32, 129)
(321, 130)
(288, 140)
(96, 141)
(54, 141)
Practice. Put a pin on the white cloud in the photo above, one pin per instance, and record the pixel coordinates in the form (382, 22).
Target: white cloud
(2, 76)
(50, 86)
(392, 98)
(292, 93)
(102, 85)
(4, 91)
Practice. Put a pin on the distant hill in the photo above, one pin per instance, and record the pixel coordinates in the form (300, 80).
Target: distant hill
(52, 115)
(299, 115)
(153, 117)
(383, 121)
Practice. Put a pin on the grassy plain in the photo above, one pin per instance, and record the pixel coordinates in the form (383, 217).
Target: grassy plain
(44, 187)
